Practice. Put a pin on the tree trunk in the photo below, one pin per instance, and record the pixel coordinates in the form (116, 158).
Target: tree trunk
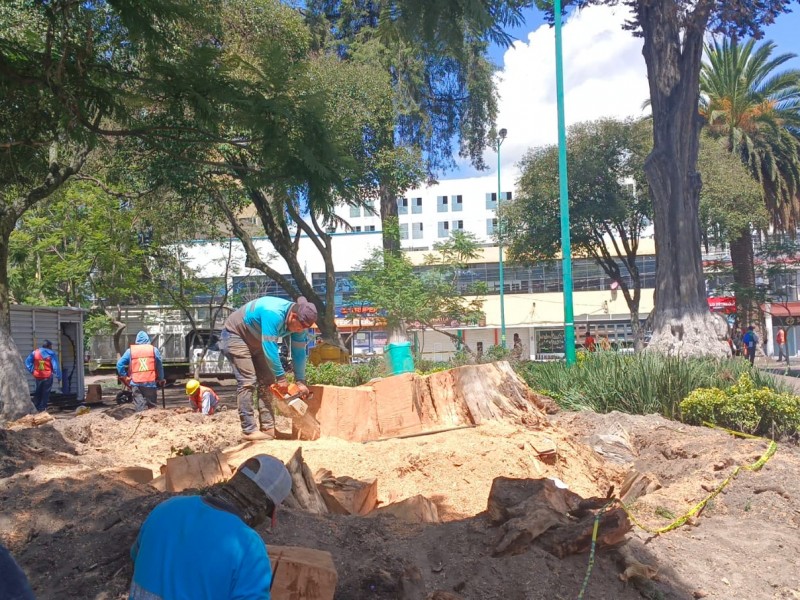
(388, 211)
(682, 321)
(15, 398)
(744, 278)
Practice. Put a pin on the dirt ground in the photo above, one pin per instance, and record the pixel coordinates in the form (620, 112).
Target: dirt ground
(70, 520)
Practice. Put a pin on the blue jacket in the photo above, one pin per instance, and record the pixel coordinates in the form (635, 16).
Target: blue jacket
(265, 323)
(125, 360)
(190, 550)
(53, 359)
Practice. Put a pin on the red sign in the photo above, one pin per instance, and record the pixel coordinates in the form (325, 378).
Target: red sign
(724, 304)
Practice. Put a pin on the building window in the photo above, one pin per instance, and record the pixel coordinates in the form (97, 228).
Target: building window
(403, 231)
(355, 211)
(491, 226)
(491, 201)
(416, 231)
(402, 206)
(369, 228)
(369, 208)
(444, 229)
(441, 203)
(458, 226)
(416, 206)
(457, 203)
(357, 228)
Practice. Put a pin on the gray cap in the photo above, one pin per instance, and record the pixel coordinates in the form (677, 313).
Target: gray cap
(270, 475)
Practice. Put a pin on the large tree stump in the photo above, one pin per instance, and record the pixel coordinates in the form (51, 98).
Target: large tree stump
(538, 511)
(304, 494)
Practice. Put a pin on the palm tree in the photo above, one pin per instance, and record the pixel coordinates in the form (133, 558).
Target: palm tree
(745, 99)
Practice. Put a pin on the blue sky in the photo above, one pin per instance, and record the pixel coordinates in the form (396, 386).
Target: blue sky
(604, 76)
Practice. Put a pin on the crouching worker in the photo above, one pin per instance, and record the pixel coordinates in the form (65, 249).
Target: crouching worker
(203, 398)
(181, 535)
(141, 366)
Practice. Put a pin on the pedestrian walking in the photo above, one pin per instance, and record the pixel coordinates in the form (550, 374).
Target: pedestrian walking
(780, 342)
(43, 365)
(750, 342)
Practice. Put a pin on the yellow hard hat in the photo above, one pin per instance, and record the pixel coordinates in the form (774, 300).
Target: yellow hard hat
(192, 386)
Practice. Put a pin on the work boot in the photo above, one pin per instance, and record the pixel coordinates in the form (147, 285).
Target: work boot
(269, 432)
(256, 436)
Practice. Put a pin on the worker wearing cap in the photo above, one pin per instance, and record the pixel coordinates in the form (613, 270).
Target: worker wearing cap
(249, 340)
(205, 547)
(43, 365)
(203, 398)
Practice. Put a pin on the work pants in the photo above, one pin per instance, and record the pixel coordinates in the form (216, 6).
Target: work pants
(782, 353)
(41, 395)
(144, 397)
(252, 371)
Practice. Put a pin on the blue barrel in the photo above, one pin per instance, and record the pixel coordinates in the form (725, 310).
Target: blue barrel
(399, 357)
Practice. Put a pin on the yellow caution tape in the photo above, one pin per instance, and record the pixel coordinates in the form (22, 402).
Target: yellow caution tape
(771, 450)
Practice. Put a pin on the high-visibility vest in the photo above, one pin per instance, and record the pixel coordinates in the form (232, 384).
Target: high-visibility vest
(197, 398)
(143, 364)
(42, 365)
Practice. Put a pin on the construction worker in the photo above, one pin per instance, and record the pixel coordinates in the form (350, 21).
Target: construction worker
(205, 547)
(43, 365)
(141, 365)
(203, 398)
(249, 340)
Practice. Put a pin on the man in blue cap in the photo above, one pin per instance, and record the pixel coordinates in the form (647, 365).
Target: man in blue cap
(43, 365)
(206, 547)
(249, 340)
(142, 366)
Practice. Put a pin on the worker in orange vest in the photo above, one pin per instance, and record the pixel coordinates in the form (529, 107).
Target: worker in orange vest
(203, 398)
(43, 365)
(142, 367)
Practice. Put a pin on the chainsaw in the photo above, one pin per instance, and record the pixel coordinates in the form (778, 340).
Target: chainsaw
(293, 404)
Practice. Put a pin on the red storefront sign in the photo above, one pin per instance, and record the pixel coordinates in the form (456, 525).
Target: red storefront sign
(723, 304)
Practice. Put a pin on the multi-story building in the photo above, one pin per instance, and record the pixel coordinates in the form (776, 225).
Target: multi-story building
(533, 302)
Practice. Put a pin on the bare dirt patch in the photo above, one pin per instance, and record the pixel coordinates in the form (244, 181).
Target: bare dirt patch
(70, 521)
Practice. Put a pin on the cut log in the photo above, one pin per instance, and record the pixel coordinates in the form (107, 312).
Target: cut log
(304, 492)
(614, 445)
(33, 420)
(196, 471)
(345, 495)
(159, 483)
(306, 425)
(538, 511)
(94, 393)
(638, 484)
(417, 509)
(301, 574)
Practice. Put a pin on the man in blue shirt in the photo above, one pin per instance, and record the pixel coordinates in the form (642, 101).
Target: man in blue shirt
(43, 365)
(205, 548)
(750, 341)
(142, 366)
(249, 340)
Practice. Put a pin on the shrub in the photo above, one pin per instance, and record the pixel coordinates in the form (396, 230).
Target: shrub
(643, 383)
(744, 407)
(345, 375)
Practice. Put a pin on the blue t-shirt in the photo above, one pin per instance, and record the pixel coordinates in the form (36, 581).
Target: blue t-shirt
(188, 550)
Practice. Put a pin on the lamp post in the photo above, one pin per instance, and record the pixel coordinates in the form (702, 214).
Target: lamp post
(566, 251)
(501, 136)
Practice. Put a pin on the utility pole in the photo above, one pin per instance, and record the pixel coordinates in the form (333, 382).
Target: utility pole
(566, 250)
(501, 135)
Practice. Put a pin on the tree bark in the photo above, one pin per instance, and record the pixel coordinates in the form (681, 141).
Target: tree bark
(15, 398)
(388, 211)
(744, 278)
(673, 47)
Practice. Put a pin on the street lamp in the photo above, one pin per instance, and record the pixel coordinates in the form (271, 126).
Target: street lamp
(566, 251)
(501, 136)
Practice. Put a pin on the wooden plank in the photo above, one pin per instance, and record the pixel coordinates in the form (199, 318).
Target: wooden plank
(196, 471)
(301, 573)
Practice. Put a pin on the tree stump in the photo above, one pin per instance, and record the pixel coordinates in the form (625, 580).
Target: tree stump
(417, 509)
(301, 573)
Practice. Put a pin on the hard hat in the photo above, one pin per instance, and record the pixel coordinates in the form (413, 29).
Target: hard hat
(192, 386)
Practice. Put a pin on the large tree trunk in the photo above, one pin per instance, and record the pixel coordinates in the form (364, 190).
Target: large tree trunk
(682, 321)
(15, 398)
(388, 211)
(744, 278)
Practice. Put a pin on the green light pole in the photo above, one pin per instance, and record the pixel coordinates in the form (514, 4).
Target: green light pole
(501, 135)
(566, 251)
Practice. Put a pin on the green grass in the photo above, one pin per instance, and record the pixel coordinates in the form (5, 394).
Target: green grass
(644, 383)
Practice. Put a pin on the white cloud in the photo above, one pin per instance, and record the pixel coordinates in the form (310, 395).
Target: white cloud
(604, 76)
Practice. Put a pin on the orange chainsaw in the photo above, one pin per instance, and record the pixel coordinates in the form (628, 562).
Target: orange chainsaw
(294, 406)
(294, 399)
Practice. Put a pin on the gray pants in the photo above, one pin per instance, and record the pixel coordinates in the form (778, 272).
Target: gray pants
(251, 370)
(144, 397)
